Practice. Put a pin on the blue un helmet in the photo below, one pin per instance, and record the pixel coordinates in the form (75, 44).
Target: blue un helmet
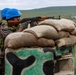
(3, 12)
(13, 13)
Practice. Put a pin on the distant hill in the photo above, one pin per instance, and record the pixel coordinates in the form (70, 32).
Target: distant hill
(50, 11)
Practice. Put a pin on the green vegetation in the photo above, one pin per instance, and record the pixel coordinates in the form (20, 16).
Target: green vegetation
(64, 12)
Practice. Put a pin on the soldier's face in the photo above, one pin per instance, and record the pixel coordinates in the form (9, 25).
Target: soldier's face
(14, 21)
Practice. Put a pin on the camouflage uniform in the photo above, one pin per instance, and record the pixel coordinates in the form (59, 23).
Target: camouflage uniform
(16, 28)
(2, 23)
(2, 27)
(5, 30)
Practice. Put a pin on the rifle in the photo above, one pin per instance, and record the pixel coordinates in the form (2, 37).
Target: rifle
(36, 19)
(39, 18)
(30, 19)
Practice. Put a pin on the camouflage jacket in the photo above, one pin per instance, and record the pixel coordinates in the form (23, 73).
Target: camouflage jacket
(5, 29)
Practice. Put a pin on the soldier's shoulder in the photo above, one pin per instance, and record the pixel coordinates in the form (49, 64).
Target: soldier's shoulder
(4, 21)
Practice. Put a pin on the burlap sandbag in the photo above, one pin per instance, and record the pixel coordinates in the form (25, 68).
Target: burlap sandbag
(69, 25)
(20, 39)
(62, 24)
(43, 42)
(74, 32)
(68, 21)
(66, 41)
(63, 34)
(44, 31)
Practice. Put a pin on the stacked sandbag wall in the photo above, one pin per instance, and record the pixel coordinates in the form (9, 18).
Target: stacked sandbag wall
(21, 45)
(66, 29)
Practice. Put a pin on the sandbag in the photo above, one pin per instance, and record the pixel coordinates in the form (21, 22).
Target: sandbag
(69, 25)
(43, 42)
(44, 31)
(63, 34)
(68, 21)
(74, 32)
(66, 41)
(20, 39)
(59, 24)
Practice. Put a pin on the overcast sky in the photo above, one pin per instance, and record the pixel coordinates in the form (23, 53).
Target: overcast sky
(32, 4)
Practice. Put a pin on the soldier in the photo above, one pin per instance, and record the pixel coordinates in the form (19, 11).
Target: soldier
(14, 21)
(3, 13)
(9, 23)
(3, 28)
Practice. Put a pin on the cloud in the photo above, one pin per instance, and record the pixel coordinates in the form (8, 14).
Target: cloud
(32, 4)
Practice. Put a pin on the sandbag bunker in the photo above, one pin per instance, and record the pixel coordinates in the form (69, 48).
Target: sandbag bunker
(29, 52)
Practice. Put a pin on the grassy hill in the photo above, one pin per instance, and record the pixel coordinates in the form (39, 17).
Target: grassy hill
(50, 11)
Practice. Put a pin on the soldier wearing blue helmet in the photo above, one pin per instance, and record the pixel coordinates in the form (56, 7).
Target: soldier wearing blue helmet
(12, 24)
(3, 28)
(3, 13)
(9, 23)
(14, 21)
